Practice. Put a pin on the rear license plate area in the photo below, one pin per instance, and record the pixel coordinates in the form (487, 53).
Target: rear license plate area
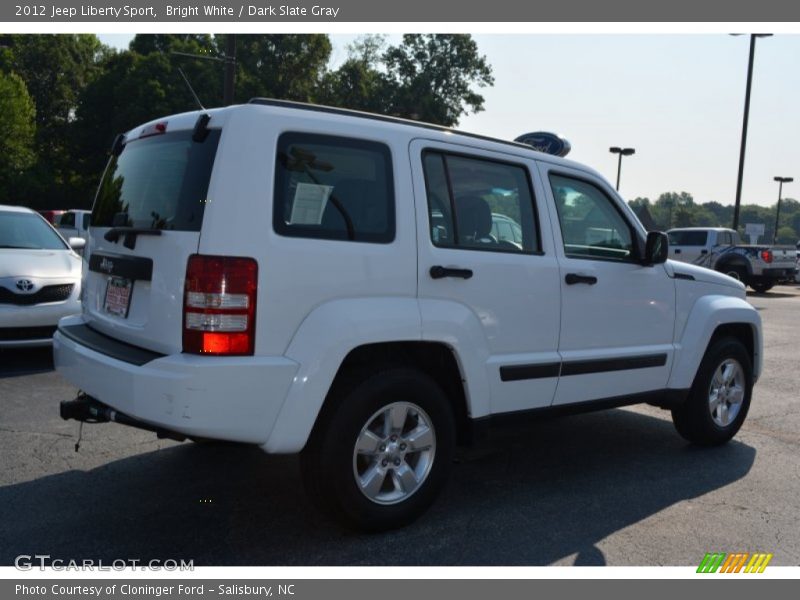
(118, 296)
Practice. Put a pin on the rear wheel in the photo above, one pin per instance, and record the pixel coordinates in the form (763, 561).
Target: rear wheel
(383, 452)
(737, 272)
(720, 396)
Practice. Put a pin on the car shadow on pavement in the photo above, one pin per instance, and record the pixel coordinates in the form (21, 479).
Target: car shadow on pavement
(25, 361)
(528, 496)
(771, 295)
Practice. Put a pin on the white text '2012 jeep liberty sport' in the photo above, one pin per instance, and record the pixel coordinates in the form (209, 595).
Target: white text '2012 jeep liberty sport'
(371, 292)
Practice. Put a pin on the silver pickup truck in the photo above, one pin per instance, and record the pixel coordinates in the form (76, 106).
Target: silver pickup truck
(759, 266)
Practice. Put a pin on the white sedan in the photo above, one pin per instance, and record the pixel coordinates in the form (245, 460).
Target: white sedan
(40, 278)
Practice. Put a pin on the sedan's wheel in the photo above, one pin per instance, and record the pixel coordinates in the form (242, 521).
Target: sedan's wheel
(381, 449)
(720, 396)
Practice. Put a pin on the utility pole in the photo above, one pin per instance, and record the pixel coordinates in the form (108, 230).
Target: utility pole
(230, 68)
(745, 119)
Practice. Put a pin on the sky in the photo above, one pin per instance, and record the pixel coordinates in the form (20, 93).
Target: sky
(678, 99)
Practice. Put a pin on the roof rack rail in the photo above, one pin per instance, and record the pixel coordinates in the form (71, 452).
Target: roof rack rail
(347, 112)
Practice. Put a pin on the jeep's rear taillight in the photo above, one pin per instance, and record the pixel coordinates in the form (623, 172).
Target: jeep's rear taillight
(766, 256)
(219, 305)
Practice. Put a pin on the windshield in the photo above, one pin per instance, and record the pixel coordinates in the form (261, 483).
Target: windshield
(159, 182)
(687, 238)
(29, 231)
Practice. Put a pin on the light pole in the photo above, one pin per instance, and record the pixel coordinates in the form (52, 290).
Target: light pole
(753, 37)
(781, 181)
(622, 152)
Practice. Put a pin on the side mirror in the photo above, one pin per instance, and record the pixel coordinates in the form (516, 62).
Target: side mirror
(76, 243)
(656, 248)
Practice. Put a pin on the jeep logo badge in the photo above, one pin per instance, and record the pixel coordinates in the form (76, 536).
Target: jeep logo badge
(24, 285)
(107, 265)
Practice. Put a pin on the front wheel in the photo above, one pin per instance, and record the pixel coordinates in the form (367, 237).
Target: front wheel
(720, 396)
(383, 451)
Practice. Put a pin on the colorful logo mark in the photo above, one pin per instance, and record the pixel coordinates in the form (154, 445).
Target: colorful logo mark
(744, 562)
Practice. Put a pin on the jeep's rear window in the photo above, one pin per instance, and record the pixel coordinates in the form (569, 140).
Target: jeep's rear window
(334, 188)
(687, 238)
(158, 182)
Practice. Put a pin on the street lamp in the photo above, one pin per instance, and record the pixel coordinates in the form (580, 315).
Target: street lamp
(622, 152)
(753, 37)
(781, 181)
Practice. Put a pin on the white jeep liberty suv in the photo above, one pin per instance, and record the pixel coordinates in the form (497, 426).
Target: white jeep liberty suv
(372, 292)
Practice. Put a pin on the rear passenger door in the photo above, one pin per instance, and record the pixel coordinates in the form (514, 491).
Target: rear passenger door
(617, 316)
(494, 296)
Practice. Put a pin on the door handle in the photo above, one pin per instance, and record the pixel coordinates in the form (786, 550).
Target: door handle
(573, 278)
(677, 250)
(439, 272)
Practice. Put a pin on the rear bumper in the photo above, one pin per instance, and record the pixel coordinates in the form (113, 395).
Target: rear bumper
(228, 398)
(778, 273)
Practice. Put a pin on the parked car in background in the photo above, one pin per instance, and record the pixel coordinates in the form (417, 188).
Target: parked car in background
(40, 278)
(75, 223)
(506, 229)
(53, 216)
(759, 266)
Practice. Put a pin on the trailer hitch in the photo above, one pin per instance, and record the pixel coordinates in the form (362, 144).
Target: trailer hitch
(86, 409)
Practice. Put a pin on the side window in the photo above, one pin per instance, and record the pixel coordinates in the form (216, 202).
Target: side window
(86, 218)
(479, 204)
(591, 226)
(333, 188)
(724, 239)
(67, 220)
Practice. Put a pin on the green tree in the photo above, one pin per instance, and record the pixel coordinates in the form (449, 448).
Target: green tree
(426, 77)
(286, 67)
(786, 235)
(358, 83)
(17, 129)
(55, 69)
(723, 215)
(431, 77)
(703, 217)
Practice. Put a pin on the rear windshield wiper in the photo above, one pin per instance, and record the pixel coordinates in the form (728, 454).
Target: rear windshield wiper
(130, 233)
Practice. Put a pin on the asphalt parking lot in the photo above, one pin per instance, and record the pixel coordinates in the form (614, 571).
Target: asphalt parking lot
(612, 488)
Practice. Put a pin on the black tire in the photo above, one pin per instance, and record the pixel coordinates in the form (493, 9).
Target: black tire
(693, 419)
(762, 288)
(330, 467)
